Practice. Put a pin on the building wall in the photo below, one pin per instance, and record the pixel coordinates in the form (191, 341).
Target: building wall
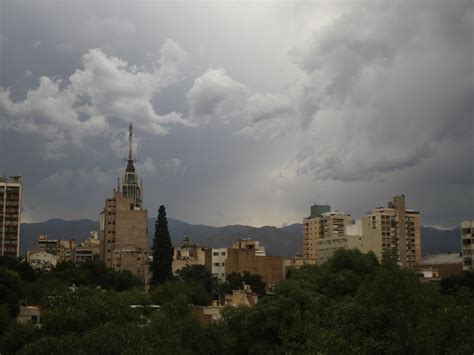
(297, 262)
(10, 216)
(398, 229)
(250, 244)
(328, 225)
(123, 227)
(42, 261)
(218, 262)
(467, 244)
(188, 255)
(271, 268)
(131, 260)
(441, 270)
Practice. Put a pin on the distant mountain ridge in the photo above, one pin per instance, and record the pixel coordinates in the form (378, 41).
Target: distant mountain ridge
(284, 241)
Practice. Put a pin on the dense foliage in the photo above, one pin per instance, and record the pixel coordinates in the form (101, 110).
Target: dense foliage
(351, 304)
(162, 249)
(235, 281)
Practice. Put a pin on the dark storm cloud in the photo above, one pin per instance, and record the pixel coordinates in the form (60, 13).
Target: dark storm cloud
(248, 119)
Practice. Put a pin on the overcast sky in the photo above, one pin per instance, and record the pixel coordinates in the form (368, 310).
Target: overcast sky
(244, 112)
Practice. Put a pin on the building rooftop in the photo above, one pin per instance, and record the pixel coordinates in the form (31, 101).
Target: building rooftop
(436, 259)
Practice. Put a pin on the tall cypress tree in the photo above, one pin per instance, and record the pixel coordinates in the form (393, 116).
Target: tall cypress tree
(162, 251)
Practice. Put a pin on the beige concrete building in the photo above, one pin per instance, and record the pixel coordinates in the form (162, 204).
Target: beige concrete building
(10, 216)
(89, 250)
(356, 236)
(467, 244)
(398, 229)
(246, 255)
(188, 253)
(42, 261)
(44, 244)
(323, 226)
(123, 224)
(249, 243)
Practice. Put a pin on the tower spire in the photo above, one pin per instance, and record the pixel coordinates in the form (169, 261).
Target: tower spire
(130, 166)
(130, 141)
(130, 187)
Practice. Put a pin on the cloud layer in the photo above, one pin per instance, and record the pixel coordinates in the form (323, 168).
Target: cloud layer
(104, 90)
(251, 114)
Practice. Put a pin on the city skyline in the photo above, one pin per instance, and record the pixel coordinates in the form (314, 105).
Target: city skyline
(243, 113)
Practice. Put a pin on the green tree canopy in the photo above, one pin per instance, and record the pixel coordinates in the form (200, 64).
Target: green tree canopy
(199, 274)
(236, 281)
(192, 292)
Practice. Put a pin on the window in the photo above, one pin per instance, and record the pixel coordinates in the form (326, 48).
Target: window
(216, 264)
(215, 253)
(223, 264)
(223, 253)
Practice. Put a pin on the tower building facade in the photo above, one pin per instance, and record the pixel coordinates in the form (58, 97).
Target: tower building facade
(322, 224)
(399, 230)
(10, 216)
(123, 223)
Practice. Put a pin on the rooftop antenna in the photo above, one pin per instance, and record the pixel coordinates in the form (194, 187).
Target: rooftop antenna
(130, 159)
(130, 141)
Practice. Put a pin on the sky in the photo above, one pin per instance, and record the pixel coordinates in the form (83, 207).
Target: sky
(243, 112)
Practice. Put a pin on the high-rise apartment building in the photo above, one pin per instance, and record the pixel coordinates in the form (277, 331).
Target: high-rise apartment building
(399, 230)
(123, 224)
(467, 244)
(10, 216)
(322, 224)
(356, 236)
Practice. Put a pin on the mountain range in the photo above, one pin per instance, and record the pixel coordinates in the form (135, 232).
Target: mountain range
(285, 241)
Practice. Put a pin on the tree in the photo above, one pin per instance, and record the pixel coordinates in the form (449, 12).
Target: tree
(192, 292)
(198, 274)
(235, 281)
(162, 251)
(11, 290)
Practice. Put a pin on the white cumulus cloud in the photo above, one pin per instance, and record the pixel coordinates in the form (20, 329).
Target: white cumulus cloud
(105, 90)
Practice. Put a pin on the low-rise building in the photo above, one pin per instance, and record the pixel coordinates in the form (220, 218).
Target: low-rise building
(438, 266)
(271, 268)
(188, 253)
(42, 261)
(216, 262)
(249, 243)
(297, 262)
(88, 250)
(224, 261)
(207, 314)
(241, 297)
(66, 250)
(29, 314)
(46, 245)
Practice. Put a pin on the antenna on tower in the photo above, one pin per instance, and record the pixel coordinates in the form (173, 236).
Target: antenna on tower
(130, 159)
(130, 141)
